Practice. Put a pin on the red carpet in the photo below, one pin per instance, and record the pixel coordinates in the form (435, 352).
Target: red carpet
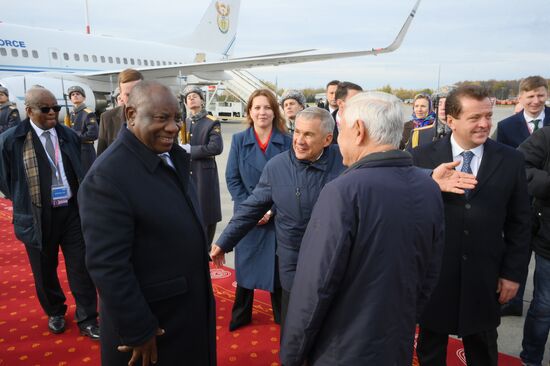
(25, 339)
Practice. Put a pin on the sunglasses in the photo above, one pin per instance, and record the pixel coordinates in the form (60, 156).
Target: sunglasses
(56, 108)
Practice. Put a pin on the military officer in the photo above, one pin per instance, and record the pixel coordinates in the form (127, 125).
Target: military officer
(9, 115)
(201, 137)
(84, 123)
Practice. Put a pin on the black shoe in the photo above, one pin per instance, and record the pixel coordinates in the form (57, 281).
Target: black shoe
(90, 330)
(56, 324)
(511, 310)
(236, 325)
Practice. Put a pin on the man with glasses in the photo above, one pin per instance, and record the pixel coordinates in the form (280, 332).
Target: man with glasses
(40, 170)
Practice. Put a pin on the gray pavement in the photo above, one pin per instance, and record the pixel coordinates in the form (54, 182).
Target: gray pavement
(511, 329)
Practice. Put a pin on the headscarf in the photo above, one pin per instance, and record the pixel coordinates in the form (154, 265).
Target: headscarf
(429, 119)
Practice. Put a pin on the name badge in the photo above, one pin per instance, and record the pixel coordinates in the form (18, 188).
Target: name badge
(60, 196)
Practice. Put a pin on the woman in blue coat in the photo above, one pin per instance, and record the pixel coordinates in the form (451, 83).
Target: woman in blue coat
(255, 260)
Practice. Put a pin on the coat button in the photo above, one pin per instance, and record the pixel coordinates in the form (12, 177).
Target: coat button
(468, 206)
(191, 173)
(466, 232)
(465, 257)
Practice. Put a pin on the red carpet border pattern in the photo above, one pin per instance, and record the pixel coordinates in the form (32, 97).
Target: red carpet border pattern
(26, 341)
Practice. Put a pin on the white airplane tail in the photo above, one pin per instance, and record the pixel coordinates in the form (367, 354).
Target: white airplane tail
(217, 30)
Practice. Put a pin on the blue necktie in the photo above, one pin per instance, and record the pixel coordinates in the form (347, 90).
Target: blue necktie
(466, 168)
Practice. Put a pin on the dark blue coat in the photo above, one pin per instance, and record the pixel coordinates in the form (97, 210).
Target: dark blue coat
(513, 130)
(84, 123)
(146, 252)
(292, 186)
(368, 262)
(255, 254)
(28, 218)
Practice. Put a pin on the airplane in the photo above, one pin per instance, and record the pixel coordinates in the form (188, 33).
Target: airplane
(58, 59)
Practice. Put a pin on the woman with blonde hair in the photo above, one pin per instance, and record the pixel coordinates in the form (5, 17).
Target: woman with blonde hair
(251, 149)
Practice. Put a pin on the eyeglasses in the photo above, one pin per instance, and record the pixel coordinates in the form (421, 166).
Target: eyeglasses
(56, 108)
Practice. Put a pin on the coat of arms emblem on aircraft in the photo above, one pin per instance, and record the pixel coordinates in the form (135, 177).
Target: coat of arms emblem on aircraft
(223, 16)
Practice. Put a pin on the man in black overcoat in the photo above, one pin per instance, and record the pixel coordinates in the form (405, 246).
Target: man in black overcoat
(146, 246)
(487, 234)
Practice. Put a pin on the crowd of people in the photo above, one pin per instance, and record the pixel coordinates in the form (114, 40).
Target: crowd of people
(361, 225)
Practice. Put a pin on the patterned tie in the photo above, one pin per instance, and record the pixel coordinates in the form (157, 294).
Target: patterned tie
(51, 152)
(535, 124)
(165, 157)
(466, 168)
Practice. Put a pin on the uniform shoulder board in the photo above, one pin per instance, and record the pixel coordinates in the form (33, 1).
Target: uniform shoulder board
(211, 117)
(88, 110)
(217, 129)
(13, 107)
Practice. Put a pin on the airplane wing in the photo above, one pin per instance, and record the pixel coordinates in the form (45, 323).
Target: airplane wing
(216, 69)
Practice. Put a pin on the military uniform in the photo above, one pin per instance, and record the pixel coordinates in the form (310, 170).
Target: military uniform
(204, 136)
(84, 123)
(9, 116)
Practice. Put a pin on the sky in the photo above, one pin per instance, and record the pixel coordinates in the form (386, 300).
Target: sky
(448, 41)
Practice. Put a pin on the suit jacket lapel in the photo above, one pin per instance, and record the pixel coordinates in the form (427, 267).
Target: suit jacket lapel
(546, 121)
(253, 155)
(442, 152)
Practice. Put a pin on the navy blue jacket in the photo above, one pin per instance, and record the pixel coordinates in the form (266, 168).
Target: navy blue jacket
(369, 260)
(255, 256)
(84, 123)
(513, 130)
(28, 218)
(9, 116)
(292, 186)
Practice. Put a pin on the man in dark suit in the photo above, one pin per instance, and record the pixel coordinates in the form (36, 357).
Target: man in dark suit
(112, 121)
(486, 234)
(40, 170)
(344, 91)
(331, 104)
(533, 93)
(512, 131)
(146, 245)
(202, 138)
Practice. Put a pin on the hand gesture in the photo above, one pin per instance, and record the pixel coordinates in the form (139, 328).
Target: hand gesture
(147, 351)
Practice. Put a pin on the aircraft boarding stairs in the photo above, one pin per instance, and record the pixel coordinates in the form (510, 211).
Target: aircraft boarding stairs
(242, 84)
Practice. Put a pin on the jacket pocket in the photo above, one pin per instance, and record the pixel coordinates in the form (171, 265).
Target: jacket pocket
(165, 290)
(23, 227)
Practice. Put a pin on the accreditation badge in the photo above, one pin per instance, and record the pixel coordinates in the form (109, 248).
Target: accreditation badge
(60, 196)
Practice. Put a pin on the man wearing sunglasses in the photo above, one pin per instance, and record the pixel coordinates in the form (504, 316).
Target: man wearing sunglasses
(40, 171)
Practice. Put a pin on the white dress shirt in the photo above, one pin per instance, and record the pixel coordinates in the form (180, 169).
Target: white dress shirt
(529, 120)
(55, 141)
(476, 160)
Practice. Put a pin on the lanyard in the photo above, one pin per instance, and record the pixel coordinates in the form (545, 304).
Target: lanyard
(57, 157)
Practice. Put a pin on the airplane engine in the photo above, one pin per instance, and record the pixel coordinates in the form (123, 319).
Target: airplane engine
(18, 85)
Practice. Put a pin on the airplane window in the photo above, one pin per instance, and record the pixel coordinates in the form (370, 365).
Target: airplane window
(132, 61)
(25, 53)
(152, 63)
(103, 59)
(94, 58)
(118, 60)
(146, 63)
(65, 56)
(164, 63)
(110, 59)
(76, 57)
(139, 62)
(3, 51)
(158, 63)
(125, 60)
(35, 54)
(169, 62)
(86, 58)
(14, 52)
(54, 55)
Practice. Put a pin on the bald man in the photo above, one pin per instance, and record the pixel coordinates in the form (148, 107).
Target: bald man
(41, 177)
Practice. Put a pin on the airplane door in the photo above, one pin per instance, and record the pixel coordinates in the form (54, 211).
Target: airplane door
(54, 56)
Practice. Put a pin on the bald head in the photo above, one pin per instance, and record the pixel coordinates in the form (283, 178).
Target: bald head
(36, 94)
(153, 115)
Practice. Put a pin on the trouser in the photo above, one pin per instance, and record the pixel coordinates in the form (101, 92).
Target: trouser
(537, 321)
(285, 298)
(242, 308)
(65, 233)
(480, 348)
